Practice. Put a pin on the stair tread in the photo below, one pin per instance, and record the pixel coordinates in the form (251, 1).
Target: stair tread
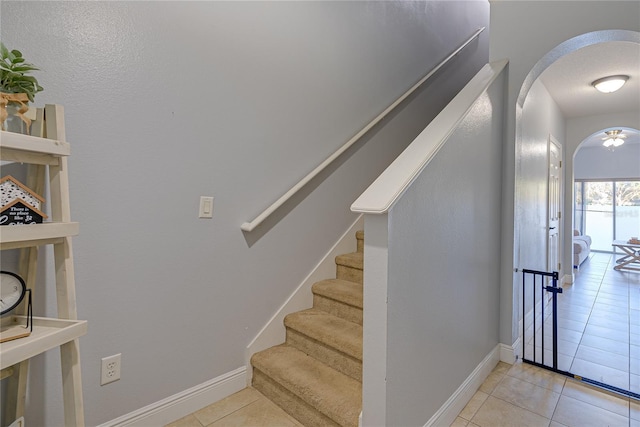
(331, 330)
(334, 394)
(353, 260)
(340, 290)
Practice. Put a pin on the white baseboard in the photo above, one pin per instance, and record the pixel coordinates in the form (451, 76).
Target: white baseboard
(273, 333)
(567, 279)
(458, 400)
(184, 403)
(510, 353)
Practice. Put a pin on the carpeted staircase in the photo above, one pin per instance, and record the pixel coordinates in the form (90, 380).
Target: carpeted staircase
(316, 375)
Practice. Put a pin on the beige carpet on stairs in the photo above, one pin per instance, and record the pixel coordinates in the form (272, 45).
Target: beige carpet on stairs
(316, 375)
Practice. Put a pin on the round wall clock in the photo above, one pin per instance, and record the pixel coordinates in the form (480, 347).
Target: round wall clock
(12, 291)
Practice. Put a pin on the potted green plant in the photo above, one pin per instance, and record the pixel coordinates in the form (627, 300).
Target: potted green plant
(17, 89)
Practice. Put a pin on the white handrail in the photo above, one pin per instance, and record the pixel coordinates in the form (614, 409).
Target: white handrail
(250, 226)
(385, 191)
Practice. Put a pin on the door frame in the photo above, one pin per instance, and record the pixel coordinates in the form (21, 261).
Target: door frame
(551, 140)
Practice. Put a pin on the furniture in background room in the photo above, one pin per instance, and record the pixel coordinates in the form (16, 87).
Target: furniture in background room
(581, 248)
(631, 259)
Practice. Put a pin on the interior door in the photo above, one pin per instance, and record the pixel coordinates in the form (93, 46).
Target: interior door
(554, 205)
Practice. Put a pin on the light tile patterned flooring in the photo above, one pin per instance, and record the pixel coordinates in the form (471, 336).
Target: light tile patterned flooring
(520, 395)
(599, 330)
(246, 408)
(524, 395)
(598, 325)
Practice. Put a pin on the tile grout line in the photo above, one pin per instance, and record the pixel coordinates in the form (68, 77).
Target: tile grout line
(573, 359)
(516, 405)
(558, 402)
(232, 412)
(599, 293)
(610, 262)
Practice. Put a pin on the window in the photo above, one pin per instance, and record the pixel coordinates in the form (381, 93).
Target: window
(607, 211)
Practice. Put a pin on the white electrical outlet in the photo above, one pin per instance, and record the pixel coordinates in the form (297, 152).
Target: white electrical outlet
(110, 371)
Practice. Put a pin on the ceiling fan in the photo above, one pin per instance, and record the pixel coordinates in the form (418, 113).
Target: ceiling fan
(613, 139)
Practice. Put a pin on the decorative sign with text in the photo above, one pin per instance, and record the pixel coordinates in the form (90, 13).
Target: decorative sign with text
(19, 213)
(18, 204)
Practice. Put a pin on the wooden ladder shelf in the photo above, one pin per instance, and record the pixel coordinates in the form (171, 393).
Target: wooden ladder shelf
(48, 150)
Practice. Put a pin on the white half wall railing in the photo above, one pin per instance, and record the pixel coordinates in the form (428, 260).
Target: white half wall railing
(432, 250)
(250, 226)
(394, 181)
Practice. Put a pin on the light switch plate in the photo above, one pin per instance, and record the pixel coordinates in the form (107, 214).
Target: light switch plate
(206, 207)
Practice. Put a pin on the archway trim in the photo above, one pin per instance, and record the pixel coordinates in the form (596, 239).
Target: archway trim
(570, 46)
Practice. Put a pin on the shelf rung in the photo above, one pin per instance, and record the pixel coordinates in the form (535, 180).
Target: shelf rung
(47, 333)
(21, 236)
(28, 157)
(6, 373)
(33, 144)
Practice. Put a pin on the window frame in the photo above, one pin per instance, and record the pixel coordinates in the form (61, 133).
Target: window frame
(581, 225)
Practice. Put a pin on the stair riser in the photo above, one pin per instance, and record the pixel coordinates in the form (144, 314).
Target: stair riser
(338, 360)
(292, 404)
(349, 273)
(318, 380)
(360, 240)
(337, 308)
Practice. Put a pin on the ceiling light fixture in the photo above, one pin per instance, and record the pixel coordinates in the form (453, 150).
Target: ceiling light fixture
(610, 84)
(614, 139)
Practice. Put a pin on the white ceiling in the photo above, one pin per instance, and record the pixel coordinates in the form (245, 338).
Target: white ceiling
(569, 79)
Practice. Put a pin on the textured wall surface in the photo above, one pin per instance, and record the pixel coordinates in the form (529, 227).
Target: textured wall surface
(599, 163)
(444, 262)
(168, 101)
(541, 117)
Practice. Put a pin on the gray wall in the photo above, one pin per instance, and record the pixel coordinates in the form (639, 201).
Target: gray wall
(444, 261)
(541, 117)
(600, 163)
(167, 101)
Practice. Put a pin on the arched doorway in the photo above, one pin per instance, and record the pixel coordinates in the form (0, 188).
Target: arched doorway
(607, 292)
(606, 187)
(540, 119)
